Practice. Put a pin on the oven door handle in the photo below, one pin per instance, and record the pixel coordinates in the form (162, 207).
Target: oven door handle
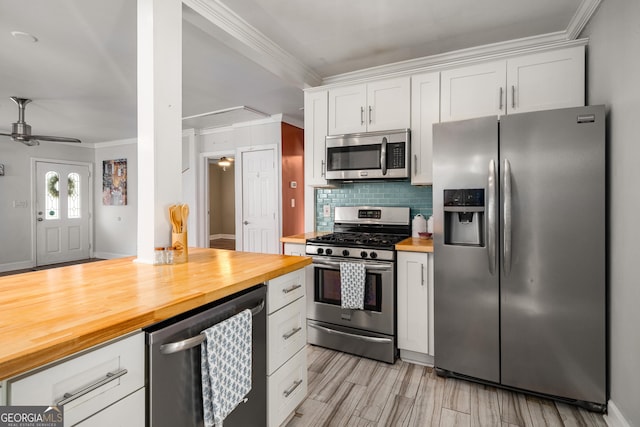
(331, 264)
(347, 334)
(186, 344)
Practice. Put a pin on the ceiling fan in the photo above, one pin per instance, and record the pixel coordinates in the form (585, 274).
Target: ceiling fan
(21, 131)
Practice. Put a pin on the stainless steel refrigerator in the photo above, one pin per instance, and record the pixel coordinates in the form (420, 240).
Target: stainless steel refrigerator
(520, 252)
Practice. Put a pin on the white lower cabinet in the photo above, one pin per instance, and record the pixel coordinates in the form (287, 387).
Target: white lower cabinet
(286, 340)
(124, 413)
(415, 307)
(294, 249)
(287, 388)
(101, 379)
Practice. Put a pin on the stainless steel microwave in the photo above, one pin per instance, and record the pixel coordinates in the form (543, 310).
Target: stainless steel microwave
(371, 155)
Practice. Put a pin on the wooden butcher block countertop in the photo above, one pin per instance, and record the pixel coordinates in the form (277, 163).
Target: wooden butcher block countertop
(49, 314)
(302, 238)
(415, 245)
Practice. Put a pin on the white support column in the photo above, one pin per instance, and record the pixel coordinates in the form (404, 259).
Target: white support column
(159, 121)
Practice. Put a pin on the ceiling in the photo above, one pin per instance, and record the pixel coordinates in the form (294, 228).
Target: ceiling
(81, 73)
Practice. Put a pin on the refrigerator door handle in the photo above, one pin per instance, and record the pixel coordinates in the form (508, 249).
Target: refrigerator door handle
(506, 258)
(491, 217)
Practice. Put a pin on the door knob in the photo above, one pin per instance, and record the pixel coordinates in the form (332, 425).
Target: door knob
(40, 219)
(246, 222)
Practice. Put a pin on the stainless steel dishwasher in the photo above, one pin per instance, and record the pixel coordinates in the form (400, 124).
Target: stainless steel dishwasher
(174, 387)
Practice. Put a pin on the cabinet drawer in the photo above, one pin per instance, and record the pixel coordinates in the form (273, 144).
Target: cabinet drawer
(88, 382)
(128, 412)
(287, 334)
(285, 289)
(287, 388)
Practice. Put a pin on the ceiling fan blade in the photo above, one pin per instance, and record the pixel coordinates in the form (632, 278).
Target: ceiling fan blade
(5, 134)
(55, 138)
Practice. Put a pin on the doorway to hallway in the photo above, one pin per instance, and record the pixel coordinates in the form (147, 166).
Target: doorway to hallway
(222, 212)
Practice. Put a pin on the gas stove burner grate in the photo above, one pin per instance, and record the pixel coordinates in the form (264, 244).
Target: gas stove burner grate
(360, 239)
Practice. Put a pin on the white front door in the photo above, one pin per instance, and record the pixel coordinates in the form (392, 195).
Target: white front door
(259, 202)
(62, 212)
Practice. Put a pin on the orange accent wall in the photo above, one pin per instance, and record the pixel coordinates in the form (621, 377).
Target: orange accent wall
(292, 171)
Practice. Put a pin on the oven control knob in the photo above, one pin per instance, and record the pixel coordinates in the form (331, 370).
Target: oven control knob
(328, 251)
(320, 251)
(345, 253)
(373, 255)
(363, 254)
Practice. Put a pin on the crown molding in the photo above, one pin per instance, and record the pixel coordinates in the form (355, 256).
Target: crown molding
(246, 39)
(581, 18)
(116, 143)
(494, 51)
(458, 58)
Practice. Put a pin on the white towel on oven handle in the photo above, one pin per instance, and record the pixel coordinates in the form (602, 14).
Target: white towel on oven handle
(352, 281)
(226, 367)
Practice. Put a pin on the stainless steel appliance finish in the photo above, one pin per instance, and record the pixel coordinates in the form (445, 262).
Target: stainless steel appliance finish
(365, 235)
(174, 391)
(372, 155)
(524, 304)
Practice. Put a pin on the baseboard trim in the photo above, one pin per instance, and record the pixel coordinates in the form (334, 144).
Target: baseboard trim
(222, 236)
(16, 266)
(416, 358)
(614, 417)
(110, 255)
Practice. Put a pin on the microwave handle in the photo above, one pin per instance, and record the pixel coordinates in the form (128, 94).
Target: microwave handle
(383, 156)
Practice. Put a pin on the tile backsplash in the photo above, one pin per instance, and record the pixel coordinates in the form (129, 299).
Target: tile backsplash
(384, 193)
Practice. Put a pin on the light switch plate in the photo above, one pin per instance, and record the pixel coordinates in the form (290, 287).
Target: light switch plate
(326, 211)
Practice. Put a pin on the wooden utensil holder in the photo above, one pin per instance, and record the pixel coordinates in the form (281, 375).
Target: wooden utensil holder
(180, 247)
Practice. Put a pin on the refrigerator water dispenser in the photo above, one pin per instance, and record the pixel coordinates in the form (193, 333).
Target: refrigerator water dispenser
(464, 217)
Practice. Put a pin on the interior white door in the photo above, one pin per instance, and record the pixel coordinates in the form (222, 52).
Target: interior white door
(62, 212)
(259, 202)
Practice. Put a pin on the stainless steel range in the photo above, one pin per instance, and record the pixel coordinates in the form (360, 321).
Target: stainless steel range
(365, 235)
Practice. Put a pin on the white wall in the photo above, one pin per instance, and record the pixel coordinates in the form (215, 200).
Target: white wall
(116, 226)
(15, 186)
(613, 76)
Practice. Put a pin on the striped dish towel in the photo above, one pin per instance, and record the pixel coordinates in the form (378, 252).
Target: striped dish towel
(226, 367)
(352, 278)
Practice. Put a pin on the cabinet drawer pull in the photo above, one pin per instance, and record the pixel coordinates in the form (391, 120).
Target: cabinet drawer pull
(291, 389)
(361, 116)
(500, 99)
(513, 97)
(291, 288)
(70, 397)
(291, 333)
(369, 114)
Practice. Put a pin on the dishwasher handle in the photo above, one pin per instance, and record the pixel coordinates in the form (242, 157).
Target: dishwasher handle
(186, 344)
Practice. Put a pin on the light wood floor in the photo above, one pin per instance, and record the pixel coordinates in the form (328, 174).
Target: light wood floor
(346, 390)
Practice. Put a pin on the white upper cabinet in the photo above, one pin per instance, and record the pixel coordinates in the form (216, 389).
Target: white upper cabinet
(378, 105)
(389, 104)
(542, 81)
(546, 80)
(347, 109)
(473, 91)
(315, 132)
(425, 111)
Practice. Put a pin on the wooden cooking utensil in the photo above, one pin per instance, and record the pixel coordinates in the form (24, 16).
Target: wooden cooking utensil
(185, 214)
